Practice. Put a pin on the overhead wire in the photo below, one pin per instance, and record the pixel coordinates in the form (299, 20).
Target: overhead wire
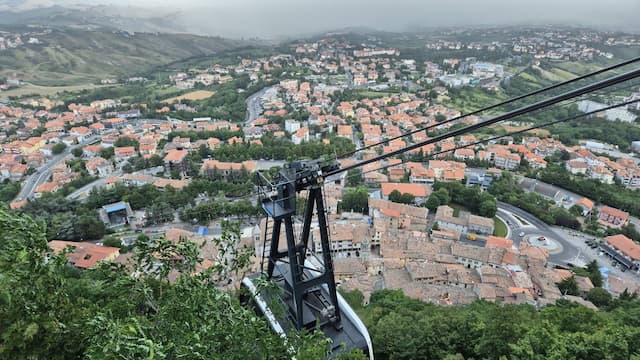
(498, 137)
(490, 107)
(541, 105)
(506, 116)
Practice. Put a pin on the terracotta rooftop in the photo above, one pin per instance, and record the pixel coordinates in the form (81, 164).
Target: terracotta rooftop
(625, 245)
(85, 255)
(614, 212)
(417, 190)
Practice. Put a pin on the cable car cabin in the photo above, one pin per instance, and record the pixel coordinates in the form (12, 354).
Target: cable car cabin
(306, 296)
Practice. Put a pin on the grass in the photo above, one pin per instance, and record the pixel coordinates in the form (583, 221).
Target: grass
(194, 95)
(31, 89)
(500, 228)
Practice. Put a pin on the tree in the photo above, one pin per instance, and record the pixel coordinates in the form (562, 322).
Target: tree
(55, 311)
(443, 196)
(77, 152)
(599, 297)
(112, 241)
(575, 210)
(354, 177)
(107, 153)
(433, 202)
(569, 286)
(58, 148)
(488, 208)
(403, 198)
(594, 273)
(355, 200)
(126, 141)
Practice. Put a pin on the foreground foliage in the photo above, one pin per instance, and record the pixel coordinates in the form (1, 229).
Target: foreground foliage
(49, 310)
(403, 328)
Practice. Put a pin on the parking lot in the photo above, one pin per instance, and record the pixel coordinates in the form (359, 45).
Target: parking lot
(589, 250)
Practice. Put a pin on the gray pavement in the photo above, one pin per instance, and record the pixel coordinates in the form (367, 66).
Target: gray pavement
(43, 173)
(254, 107)
(572, 247)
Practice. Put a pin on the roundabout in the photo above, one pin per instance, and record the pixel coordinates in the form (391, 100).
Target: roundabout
(546, 242)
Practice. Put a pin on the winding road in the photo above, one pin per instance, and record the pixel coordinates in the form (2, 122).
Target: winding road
(254, 108)
(43, 173)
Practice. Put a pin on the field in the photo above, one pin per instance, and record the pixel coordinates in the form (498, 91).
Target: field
(539, 132)
(194, 95)
(31, 89)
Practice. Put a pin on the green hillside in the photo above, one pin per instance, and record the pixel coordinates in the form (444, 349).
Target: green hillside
(69, 57)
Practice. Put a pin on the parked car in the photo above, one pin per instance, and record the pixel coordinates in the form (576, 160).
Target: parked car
(521, 234)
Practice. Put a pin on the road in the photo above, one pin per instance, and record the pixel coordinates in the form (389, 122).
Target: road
(43, 173)
(574, 197)
(349, 78)
(572, 246)
(567, 251)
(84, 191)
(254, 108)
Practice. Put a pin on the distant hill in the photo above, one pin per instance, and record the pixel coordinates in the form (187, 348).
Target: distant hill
(129, 18)
(68, 56)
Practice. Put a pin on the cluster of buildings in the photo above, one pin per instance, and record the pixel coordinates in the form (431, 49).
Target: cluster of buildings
(552, 44)
(585, 163)
(214, 75)
(616, 114)
(439, 267)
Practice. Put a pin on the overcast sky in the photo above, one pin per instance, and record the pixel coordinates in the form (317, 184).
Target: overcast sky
(268, 18)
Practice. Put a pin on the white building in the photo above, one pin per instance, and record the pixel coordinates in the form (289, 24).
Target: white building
(291, 126)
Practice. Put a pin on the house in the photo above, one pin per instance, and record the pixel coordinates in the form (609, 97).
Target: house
(99, 166)
(124, 153)
(499, 242)
(85, 255)
(600, 173)
(464, 154)
(91, 150)
(613, 218)
(447, 170)
(82, 132)
(464, 222)
(420, 191)
(300, 136)
(446, 220)
(480, 225)
(483, 180)
(586, 205)
(176, 160)
(576, 167)
(506, 160)
(421, 175)
(623, 249)
(400, 216)
(47, 187)
(345, 131)
(215, 168)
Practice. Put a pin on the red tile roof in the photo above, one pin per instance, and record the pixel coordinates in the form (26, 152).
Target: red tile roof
(417, 190)
(85, 255)
(614, 212)
(625, 245)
